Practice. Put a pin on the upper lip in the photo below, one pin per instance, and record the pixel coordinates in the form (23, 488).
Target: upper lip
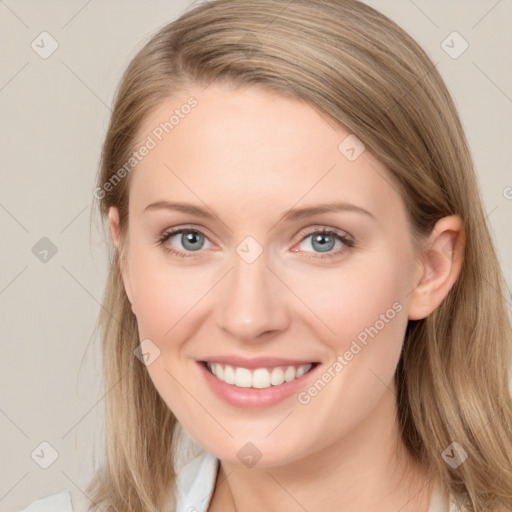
(256, 362)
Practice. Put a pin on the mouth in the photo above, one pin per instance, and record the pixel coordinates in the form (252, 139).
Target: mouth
(257, 378)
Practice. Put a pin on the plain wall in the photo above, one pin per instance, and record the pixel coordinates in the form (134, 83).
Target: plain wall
(54, 114)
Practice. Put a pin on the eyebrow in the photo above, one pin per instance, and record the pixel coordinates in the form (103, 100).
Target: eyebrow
(291, 215)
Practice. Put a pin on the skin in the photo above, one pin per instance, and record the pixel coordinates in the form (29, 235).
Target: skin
(250, 156)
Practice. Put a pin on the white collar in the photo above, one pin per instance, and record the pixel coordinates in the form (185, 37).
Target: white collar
(196, 482)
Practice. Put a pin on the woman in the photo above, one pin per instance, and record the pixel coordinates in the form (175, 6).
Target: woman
(302, 271)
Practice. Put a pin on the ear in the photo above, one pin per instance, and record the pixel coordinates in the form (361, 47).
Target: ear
(115, 233)
(439, 268)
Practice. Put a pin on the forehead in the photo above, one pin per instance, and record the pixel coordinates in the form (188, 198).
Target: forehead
(251, 145)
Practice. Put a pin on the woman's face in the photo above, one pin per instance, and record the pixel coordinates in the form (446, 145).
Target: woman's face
(255, 279)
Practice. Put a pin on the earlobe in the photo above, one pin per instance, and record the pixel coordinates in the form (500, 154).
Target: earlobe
(441, 264)
(115, 233)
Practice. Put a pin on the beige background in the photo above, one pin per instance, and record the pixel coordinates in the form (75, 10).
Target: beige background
(54, 114)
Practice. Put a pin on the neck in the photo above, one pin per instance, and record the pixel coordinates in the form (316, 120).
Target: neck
(368, 469)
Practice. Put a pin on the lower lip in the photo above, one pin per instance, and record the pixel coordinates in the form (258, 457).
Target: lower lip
(253, 398)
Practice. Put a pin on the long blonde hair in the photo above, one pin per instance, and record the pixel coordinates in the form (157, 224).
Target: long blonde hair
(353, 63)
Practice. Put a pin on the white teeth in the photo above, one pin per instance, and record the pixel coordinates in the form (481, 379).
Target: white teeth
(243, 378)
(301, 370)
(290, 373)
(229, 373)
(220, 371)
(259, 378)
(277, 377)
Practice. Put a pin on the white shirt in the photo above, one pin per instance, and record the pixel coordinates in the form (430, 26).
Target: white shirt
(195, 484)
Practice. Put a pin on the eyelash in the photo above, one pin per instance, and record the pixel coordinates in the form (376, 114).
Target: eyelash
(323, 231)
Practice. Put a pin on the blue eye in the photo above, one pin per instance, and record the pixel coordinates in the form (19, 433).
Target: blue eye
(323, 240)
(190, 239)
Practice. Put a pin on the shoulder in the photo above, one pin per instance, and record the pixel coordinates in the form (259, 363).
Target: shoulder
(65, 501)
(456, 506)
(444, 500)
(195, 483)
(60, 502)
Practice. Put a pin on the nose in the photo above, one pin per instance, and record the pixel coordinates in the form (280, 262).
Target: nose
(254, 303)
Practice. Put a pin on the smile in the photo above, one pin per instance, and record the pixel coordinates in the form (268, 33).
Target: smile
(259, 378)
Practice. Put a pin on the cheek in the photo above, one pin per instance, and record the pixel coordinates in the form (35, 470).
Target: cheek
(167, 296)
(351, 300)
(169, 309)
(364, 308)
